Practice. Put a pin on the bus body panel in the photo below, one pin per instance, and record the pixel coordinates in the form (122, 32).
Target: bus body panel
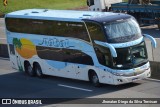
(51, 67)
(71, 70)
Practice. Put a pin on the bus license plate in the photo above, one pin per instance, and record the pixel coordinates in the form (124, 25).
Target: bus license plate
(134, 79)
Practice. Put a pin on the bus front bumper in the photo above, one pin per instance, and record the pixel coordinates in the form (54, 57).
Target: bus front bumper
(122, 79)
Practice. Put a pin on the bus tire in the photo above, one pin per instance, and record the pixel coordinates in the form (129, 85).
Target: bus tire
(94, 79)
(38, 70)
(28, 69)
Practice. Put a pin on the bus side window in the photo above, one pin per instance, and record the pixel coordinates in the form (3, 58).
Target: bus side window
(71, 29)
(96, 32)
(48, 27)
(29, 26)
(103, 55)
(64, 55)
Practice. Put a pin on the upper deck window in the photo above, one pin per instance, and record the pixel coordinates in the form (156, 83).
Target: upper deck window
(122, 31)
(48, 27)
(96, 31)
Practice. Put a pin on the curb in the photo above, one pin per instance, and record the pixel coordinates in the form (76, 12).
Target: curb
(150, 79)
(2, 58)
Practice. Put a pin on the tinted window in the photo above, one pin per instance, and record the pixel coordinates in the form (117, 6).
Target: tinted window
(48, 27)
(130, 57)
(122, 31)
(103, 55)
(71, 29)
(30, 26)
(95, 31)
(90, 2)
(64, 55)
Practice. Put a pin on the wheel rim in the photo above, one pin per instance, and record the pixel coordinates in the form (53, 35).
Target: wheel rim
(94, 79)
(38, 71)
(29, 69)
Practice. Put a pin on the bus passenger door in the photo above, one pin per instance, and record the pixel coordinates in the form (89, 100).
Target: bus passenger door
(70, 70)
(84, 62)
(75, 64)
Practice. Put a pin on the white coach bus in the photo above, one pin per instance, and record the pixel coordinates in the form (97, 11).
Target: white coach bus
(100, 47)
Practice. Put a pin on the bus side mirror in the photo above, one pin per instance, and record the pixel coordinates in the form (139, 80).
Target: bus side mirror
(153, 41)
(88, 3)
(111, 48)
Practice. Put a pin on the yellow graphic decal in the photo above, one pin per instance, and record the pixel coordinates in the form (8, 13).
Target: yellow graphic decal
(25, 48)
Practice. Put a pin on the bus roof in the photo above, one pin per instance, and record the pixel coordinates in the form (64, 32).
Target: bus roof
(65, 15)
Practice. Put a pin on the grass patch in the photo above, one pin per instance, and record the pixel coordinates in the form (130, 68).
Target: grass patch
(14, 5)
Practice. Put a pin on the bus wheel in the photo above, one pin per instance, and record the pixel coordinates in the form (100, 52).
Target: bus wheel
(38, 71)
(94, 79)
(29, 70)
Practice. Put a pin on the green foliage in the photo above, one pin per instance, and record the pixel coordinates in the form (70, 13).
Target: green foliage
(125, 0)
(17, 43)
(14, 5)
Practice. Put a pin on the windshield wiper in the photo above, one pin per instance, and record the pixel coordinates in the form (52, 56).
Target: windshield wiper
(140, 63)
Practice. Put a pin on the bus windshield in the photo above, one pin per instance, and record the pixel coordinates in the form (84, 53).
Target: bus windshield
(122, 31)
(131, 57)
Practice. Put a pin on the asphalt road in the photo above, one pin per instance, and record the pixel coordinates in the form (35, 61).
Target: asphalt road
(14, 84)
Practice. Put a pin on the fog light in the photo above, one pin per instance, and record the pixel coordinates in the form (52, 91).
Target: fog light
(119, 80)
(149, 73)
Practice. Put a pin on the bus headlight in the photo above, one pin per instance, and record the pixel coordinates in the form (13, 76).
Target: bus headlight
(128, 74)
(117, 74)
(123, 74)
